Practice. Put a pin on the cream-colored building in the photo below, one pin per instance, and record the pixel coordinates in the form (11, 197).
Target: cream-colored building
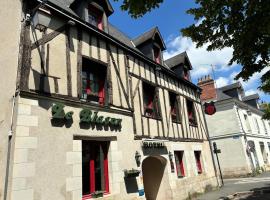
(86, 111)
(237, 128)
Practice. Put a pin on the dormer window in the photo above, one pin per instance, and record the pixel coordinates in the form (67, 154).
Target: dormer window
(157, 55)
(95, 17)
(185, 74)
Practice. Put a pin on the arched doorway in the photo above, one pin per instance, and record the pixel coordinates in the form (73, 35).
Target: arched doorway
(154, 177)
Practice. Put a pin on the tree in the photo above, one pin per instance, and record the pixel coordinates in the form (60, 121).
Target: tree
(137, 8)
(243, 25)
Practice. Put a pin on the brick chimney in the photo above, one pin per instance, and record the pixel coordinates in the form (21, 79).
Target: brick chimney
(207, 85)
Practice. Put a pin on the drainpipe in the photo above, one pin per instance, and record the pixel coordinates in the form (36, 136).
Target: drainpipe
(211, 149)
(10, 134)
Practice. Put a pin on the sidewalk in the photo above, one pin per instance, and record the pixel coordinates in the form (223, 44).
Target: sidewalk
(232, 186)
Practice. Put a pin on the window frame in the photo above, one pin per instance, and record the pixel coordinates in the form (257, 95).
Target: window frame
(179, 164)
(97, 13)
(176, 117)
(192, 121)
(198, 159)
(98, 72)
(152, 104)
(103, 153)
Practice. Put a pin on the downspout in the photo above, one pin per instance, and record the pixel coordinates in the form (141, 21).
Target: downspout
(210, 145)
(10, 134)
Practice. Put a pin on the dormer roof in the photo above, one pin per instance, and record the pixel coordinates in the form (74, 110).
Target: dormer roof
(105, 4)
(235, 85)
(152, 34)
(179, 59)
(251, 97)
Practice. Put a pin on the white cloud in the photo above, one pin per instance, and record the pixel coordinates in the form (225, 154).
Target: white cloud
(200, 58)
(222, 81)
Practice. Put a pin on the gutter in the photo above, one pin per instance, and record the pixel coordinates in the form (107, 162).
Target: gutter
(115, 41)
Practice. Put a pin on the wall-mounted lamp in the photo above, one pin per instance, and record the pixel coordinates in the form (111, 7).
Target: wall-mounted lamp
(138, 158)
(248, 112)
(41, 19)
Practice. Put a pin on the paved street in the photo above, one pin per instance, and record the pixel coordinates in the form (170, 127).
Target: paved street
(260, 182)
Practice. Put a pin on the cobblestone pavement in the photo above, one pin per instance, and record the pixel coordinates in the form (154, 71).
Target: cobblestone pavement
(259, 185)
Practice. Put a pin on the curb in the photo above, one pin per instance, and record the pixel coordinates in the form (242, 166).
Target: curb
(232, 196)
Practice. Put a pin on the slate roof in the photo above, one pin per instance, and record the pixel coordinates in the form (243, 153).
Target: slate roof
(178, 59)
(64, 5)
(251, 97)
(149, 35)
(231, 86)
(119, 35)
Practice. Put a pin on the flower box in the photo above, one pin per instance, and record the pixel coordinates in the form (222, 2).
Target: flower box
(97, 194)
(131, 173)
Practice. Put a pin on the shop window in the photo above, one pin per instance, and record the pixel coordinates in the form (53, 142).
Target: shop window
(95, 176)
(185, 74)
(179, 162)
(191, 113)
(95, 17)
(93, 82)
(175, 112)
(198, 161)
(150, 100)
(157, 54)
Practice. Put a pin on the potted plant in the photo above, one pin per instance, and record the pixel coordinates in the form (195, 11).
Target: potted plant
(131, 173)
(97, 194)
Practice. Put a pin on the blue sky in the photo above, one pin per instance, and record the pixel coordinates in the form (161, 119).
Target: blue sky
(170, 18)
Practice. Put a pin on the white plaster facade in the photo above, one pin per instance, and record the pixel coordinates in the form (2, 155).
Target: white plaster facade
(231, 127)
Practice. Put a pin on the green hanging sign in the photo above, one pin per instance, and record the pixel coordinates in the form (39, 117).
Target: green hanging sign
(86, 116)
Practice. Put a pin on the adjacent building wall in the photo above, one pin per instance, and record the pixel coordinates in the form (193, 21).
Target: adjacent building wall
(11, 15)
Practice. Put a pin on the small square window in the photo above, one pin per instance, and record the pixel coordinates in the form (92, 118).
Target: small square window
(95, 17)
(150, 100)
(191, 113)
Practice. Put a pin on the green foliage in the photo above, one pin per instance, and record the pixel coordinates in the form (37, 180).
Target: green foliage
(137, 8)
(243, 25)
(266, 108)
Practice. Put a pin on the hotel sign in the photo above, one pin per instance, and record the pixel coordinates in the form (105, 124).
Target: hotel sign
(86, 116)
(153, 144)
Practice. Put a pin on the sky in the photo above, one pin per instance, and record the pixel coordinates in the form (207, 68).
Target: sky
(170, 18)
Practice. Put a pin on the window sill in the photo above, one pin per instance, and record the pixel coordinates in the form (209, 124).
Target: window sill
(154, 118)
(192, 124)
(176, 122)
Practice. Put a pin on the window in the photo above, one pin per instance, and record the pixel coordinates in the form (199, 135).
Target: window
(247, 123)
(257, 125)
(157, 54)
(179, 163)
(185, 73)
(93, 82)
(95, 176)
(175, 113)
(150, 100)
(264, 126)
(198, 161)
(264, 155)
(95, 17)
(191, 113)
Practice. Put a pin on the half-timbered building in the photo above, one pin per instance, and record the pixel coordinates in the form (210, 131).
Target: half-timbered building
(93, 112)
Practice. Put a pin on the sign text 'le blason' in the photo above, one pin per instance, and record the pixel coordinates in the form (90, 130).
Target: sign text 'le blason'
(86, 116)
